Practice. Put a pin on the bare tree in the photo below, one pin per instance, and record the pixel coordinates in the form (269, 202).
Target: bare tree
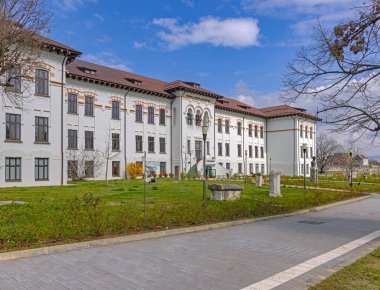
(341, 72)
(21, 24)
(326, 148)
(110, 150)
(83, 164)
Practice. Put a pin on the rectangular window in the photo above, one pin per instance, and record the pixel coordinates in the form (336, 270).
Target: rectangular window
(151, 144)
(188, 146)
(262, 168)
(307, 153)
(307, 168)
(73, 139)
(163, 167)
(261, 132)
(12, 169)
(257, 168)
(301, 131)
(89, 169)
(302, 169)
(256, 131)
(250, 130)
(220, 126)
(72, 104)
(311, 133)
(41, 129)
(261, 152)
(250, 151)
(227, 126)
(251, 168)
(115, 110)
(139, 144)
(42, 82)
(198, 150)
(139, 113)
(239, 128)
(189, 119)
(227, 148)
(220, 149)
(115, 142)
(306, 131)
(150, 115)
(162, 116)
(72, 169)
(228, 166)
(89, 106)
(256, 152)
(89, 140)
(162, 145)
(115, 168)
(240, 168)
(41, 169)
(311, 152)
(208, 148)
(14, 79)
(239, 150)
(13, 127)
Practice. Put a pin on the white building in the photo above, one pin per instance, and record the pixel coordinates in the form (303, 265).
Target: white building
(79, 115)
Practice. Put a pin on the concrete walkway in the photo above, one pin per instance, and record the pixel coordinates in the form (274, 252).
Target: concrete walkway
(229, 258)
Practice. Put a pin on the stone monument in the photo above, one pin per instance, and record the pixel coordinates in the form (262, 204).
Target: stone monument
(225, 191)
(259, 180)
(275, 183)
(314, 171)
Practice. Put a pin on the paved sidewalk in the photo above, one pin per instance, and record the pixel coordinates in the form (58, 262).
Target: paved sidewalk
(228, 258)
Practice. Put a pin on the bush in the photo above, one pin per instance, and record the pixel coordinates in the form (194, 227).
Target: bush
(134, 170)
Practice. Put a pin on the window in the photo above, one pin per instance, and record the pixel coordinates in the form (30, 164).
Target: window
(251, 168)
(139, 113)
(261, 152)
(239, 150)
(239, 128)
(89, 169)
(302, 169)
(150, 115)
(72, 104)
(227, 126)
(89, 140)
(306, 131)
(240, 168)
(115, 110)
(307, 168)
(41, 169)
(307, 153)
(198, 150)
(221, 164)
(188, 146)
(174, 116)
(42, 82)
(198, 119)
(163, 167)
(115, 168)
(139, 144)
(262, 168)
(250, 130)
(302, 153)
(257, 168)
(228, 166)
(13, 127)
(151, 144)
(261, 132)
(311, 133)
(189, 119)
(220, 130)
(311, 152)
(162, 145)
(301, 131)
(12, 169)
(14, 79)
(72, 169)
(250, 151)
(256, 152)
(162, 116)
(115, 142)
(73, 139)
(89, 106)
(220, 149)
(41, 129)
(208, 147)
(227, 149)
(256, 131)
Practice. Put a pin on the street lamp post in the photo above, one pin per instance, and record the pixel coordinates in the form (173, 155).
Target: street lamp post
(304, 148)
(351, 168)
(204, 133)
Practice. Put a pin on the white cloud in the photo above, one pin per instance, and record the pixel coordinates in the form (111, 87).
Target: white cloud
(103, 39)
(107, 59)
(138, 45)
(99, 17)
(244, 94)
(189, 3)
(230, 32)
(72, 5)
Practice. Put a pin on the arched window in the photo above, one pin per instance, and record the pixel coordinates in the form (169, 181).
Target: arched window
(206, 119)
(198, 118)
(189, 118)
(220, 125)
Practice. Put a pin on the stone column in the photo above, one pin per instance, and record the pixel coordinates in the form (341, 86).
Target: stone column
(314, 171)
(259, 180)
(275, 184)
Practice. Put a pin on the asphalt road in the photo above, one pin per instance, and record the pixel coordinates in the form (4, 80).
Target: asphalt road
(229, 258)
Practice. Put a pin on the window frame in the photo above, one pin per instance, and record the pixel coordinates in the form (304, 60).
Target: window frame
(162, 142)
(238, 128)
(139, 114)
(44, 166)
(72, 105)
(220, 125)
(162, 118)
(151, 144)
(89, 106)
(227, 127)
(115, 110)
(151, 115)
(115, 141)
(72, 139)
(40, 79)
(16, 167)
(41, 125)
(14, 78)
(139, 143)
(89, 140)
(113, 167)
(12, 126)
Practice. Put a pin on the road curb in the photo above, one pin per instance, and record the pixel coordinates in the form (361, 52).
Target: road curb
(165, 233)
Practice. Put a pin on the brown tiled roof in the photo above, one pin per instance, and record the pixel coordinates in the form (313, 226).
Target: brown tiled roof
(285, 110)
(237, 106)
(52, 44)
(181, 85)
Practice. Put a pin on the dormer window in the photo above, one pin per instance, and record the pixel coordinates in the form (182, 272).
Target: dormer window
(134, 81)
(88, 70)
(194, 85)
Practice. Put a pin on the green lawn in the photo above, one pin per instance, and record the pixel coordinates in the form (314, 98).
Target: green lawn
(91, 209)
(363, 274)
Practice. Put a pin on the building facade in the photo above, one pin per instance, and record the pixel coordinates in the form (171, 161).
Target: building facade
(83, 120)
